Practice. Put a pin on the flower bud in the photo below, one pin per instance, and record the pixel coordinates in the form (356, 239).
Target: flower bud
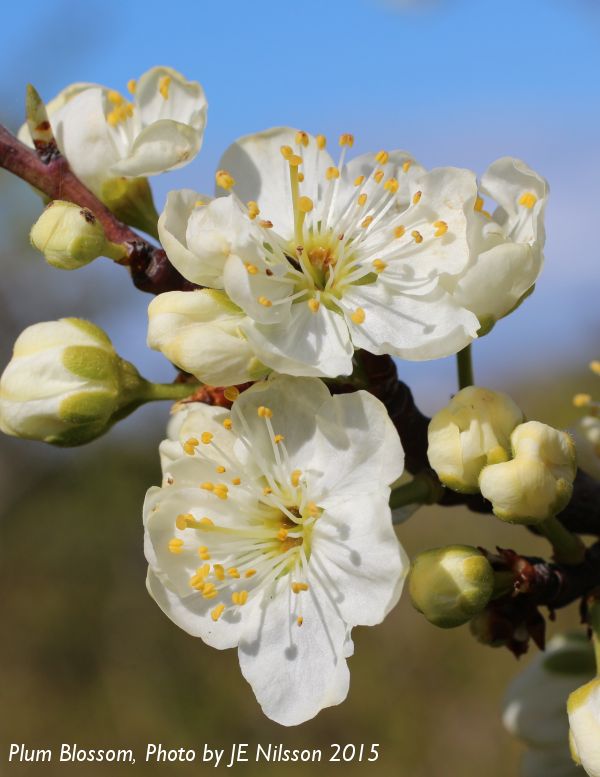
(450, 585)
(583, 708)
(472, 431)
(587, 442)
(538, 482)
(65, 384)
(130, 199)
(70, 236)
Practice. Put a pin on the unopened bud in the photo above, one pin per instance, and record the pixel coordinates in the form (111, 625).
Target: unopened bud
(587, 441)
(450, 585)
(583, 708)
(472, 431)
(130, 199)
(65, 384)
(70, 236)
(538, 482)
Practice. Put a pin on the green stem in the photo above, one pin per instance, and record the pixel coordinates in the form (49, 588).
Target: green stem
(464, 363)
(151, 392)
(594, 621)
(568, 547)
(420, 490)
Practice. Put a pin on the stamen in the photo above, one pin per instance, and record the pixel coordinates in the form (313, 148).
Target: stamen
(221, 490)
(378, 176)
(232, 572)
(440, 228)
(478, 204)
(163, 86)
(391, 185)
(224, 180)
(300, 620)
(418, 237)
(294, 160)
(236, 481)
(359, 181)
(302, 138)
(305, 204)
(185, 521)
(264, 412)
(206, 437)
(278, 438)
(253, 209)
(297, 587)
(221, 469)
(379, 265)
(595, 367)
(366, 222)
(131, 86)
(219, 571)
(206, 521)
(266, 224)
(217, 612)
(362, 198)
(406, 166)
(267, 490)
(295, 477)
(331, 173)
(382, 157)
(114, 97)
(189, 446)
(207, 486)
(175, 546)
(416, 197)
(347, 140)
(251, 268)
(227, 423)
(250, 573)
(314, 304)
(358, 316)
(231, 393)
(399, 231)
(265, 302)
(582, 400)
(286, 151)
(527, 200)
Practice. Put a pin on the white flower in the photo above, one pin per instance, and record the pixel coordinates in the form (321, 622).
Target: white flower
(584, 719)
(587, 430)
(472, 431)
(507, 246)
(104, 136)
(325, 257)
(64, 383)
(272, 532)
(537, 482)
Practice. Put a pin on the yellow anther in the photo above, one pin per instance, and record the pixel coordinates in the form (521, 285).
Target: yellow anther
(399, 231)
(189, 446)
(202, 549)
(185, 521)
(331, 173)
(232, 572)
(300, 177)
(199, 203)
(440, 228)
(221, 490)
(417, 236)
(209, 594)
(302, 138)
(227, 423)
(391, 185)
(265, 302)
(163, 86)
(219, 571)
(311, 507)
(362, 198)
(239, 597)
(282, 534)
(595, 367)
(264, 412)
(209, 588)
(321, 142)
(295, 477)
(378, 176)
(300, 620)
(314, 304)
(207, 486)
(206, 437)
(379, 265)
(224, 179)
(347, 140)
(266, 224)
(278, 438)
(217, 612)
(231, 393)
(250, 573)
(297, 587)
(366, 222)
(406, 165)
(206, 521)
(267, 490)
(582, 400)
(305, 204)
(382, 157)
(527, 199)
(114, 97)
(205, 555)
(358, 316)
(176, 546)
(294, 160)
(416, 197)
(286, 151)
(131, 85)
(253, 209)
(221, 469)
(236, 481)
(197, 582)
(478, 204)
(359, 181)
(251, 268)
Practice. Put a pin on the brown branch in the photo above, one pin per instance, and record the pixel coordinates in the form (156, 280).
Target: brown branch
(50, 173)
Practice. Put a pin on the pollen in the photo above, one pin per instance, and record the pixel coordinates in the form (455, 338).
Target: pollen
(595, 367)
(250, 573)
(207, 486)
(417, 236)
(362, 198)
(221, 469)
(366, 222)
(406, 166)
(251, 268)
(278, 438)
(266, 224)
(478, 204)
(199, 203)
(239, 597)
(399, 231)
(219, 571)
(204, 521)
(379, 265)
(440, 228)
(294, 160)
(175, 546)
(185, 521)
(347, 140)
(224, 179)
(286, 151)
(189, 446)
(305, 204)
(265, 302)
(331, 173)
(297, 587)
(300, 177)
(582, 400)
(391, 185)
(267, 490)
(253, 209)
(312, 507)
(233, 572)
(114, 97)
(527, 199)
(131, 85)
(302, 138)
(264, 412)
(382, 157)
(231, 393)
(236, 481)
(416, 197)
(321, 142)
(221, 490)
(300, 620)
(282, 534)
(379, 176)
(217, 612)
(206, 437)
(314, 305)
(163, 86)
(358, 316)
(227, 423)
(295, 477)
(359, 181)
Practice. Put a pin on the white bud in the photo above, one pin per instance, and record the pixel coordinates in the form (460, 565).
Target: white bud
(587, 441)
(538, 482)
(583, 708)
(472, 431)
(450, 585)
(64, 383)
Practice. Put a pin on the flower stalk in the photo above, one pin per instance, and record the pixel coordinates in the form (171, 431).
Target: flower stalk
(464, 364)
(568, 547)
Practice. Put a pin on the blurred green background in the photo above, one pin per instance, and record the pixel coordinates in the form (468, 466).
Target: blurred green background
(85, 655)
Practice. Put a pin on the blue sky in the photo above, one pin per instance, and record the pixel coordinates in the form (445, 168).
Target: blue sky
(456, 82)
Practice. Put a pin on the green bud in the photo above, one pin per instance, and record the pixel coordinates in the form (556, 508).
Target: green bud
(130, 199)
(451, 585)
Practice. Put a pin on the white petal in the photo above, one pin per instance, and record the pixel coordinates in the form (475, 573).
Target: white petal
(394, 168)
(246, 289)
(311, 344)
(164, 145)
(296, 671)
(185, 101)
(362, 564)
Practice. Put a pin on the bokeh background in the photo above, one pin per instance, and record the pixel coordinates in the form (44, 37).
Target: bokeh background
(85, 655)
